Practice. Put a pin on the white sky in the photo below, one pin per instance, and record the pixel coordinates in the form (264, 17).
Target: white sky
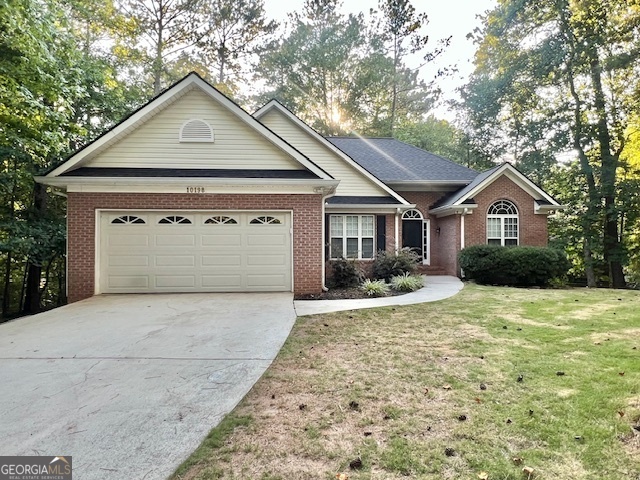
(455, 18)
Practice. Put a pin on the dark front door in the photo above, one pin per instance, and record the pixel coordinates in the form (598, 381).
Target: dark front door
(412, 235)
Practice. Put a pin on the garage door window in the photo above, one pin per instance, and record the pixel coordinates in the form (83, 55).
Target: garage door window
(265, 221)
(127, 220)
(174, 219)
(220, 220)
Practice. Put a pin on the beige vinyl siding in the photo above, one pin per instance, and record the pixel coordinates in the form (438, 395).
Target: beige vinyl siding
(155, 144)
(352, 182)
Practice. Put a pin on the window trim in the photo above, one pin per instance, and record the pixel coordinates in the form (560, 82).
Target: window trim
(503, 217)
(345, 237)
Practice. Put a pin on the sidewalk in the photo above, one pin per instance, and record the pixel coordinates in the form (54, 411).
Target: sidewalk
(437, 287)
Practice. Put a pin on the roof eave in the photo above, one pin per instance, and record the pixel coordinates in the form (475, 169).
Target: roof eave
(457, 209)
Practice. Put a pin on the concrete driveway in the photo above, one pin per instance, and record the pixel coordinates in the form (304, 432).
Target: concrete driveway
(129, 385)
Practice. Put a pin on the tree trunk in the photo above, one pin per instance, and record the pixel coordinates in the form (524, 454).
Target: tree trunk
(613, 251)
(6, 295)
(34, 269)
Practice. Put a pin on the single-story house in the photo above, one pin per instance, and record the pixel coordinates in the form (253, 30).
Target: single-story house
(190, 193)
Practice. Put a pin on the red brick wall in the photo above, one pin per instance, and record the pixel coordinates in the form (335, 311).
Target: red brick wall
(532, 227)
(307, 229)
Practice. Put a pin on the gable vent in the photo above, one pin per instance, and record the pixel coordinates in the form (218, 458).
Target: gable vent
(196, 131)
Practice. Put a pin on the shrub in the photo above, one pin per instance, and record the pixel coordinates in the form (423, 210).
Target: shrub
(407, 283)
(390, 264)
(517, 266)
(345, 273)
(375, 288)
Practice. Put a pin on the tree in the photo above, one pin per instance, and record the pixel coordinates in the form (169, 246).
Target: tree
(402, 33)
(234, 30)
(311, 69)
(557, 74)
(162, 29)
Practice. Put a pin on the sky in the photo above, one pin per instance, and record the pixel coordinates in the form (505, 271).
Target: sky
(455, 18)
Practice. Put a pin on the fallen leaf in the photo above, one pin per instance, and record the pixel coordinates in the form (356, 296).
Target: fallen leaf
(483, 476)
(517, 460)
(462, 418)
(509, 421)
(478, 400)
(483, 386)
(560, 373)
(302, 406)
(447, 387)
(426, 391)
(621, 374)
(355, 464)
(342, 476)
(449, 452)
(528, 471)
(520, 377)
(621, 413)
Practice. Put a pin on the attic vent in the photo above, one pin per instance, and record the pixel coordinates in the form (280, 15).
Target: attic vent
(196, 131)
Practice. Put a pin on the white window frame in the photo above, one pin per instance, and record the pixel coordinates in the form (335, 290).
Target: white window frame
(344, 237)
(511, 214)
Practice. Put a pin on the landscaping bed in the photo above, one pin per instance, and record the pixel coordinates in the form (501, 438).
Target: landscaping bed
(494, 383)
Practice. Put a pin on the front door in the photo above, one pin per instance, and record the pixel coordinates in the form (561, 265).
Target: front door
(412, 236)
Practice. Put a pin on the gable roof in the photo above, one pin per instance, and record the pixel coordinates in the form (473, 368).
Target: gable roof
(396, 162)
(326, 142)
(464, 197)
(162, 101)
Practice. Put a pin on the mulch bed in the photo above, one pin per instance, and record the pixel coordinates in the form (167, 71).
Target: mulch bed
(343, 294)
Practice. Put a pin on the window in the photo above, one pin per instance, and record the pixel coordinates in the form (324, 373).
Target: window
(502, 224)
(172, 220)
(352, 236)
(220, 220)
(265, 221)
(412, 215)
(127, 220)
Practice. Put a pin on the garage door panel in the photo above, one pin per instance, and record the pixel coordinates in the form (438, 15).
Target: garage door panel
(265, 240)
(175, 260)
(221, 260)
(222, 281)
(175, 281)
(128, 261)
(266, 260)
(128, 281)
(196, 256)
(221, 240)
(124, 240)
(175, 240)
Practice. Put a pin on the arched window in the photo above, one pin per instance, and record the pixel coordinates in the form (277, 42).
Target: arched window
(220, 220)
(265, 221)
(502, 224)
(173, 220)
(127, 220)
(196, 131)
(412, 215)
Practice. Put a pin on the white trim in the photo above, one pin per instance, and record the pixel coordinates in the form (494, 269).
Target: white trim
(502, 217)
(360, 236)
(169, 96)
(396, 232)
(426, 241)
(413, 210)
(210, 139)
(447, 210)
(327, 144)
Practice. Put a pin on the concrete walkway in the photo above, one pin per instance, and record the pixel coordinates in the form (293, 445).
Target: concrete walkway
(129, 385)
(436, 287)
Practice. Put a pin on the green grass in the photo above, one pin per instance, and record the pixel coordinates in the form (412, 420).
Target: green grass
(415, 371)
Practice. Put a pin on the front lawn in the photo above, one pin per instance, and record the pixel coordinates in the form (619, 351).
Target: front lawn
(483, 385)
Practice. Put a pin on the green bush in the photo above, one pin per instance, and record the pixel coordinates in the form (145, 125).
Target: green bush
(390, 264)
(517, 266)
(345, 273)
(375, 288)
(407, 283)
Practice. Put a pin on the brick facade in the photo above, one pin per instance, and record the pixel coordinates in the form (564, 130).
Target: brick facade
(307, 229)
(446, 244)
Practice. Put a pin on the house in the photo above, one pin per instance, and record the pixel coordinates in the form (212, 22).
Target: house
(190, 193)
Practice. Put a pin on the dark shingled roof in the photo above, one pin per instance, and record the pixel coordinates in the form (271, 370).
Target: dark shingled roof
(391, 161)
(343, 200)
(455, 196)
(188, 173)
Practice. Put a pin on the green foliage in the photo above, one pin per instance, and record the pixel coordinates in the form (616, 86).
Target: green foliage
(517, 266)
(374, 288)
(407, 282)
(390, 264)
(345, 273)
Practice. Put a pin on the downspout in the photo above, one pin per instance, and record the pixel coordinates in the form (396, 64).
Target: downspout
(464, 212)
(397, 229)
(324, 247)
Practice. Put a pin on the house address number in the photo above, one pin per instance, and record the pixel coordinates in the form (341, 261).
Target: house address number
(195, 189)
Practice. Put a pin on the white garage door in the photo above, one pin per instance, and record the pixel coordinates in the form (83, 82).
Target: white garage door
(194, 252)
